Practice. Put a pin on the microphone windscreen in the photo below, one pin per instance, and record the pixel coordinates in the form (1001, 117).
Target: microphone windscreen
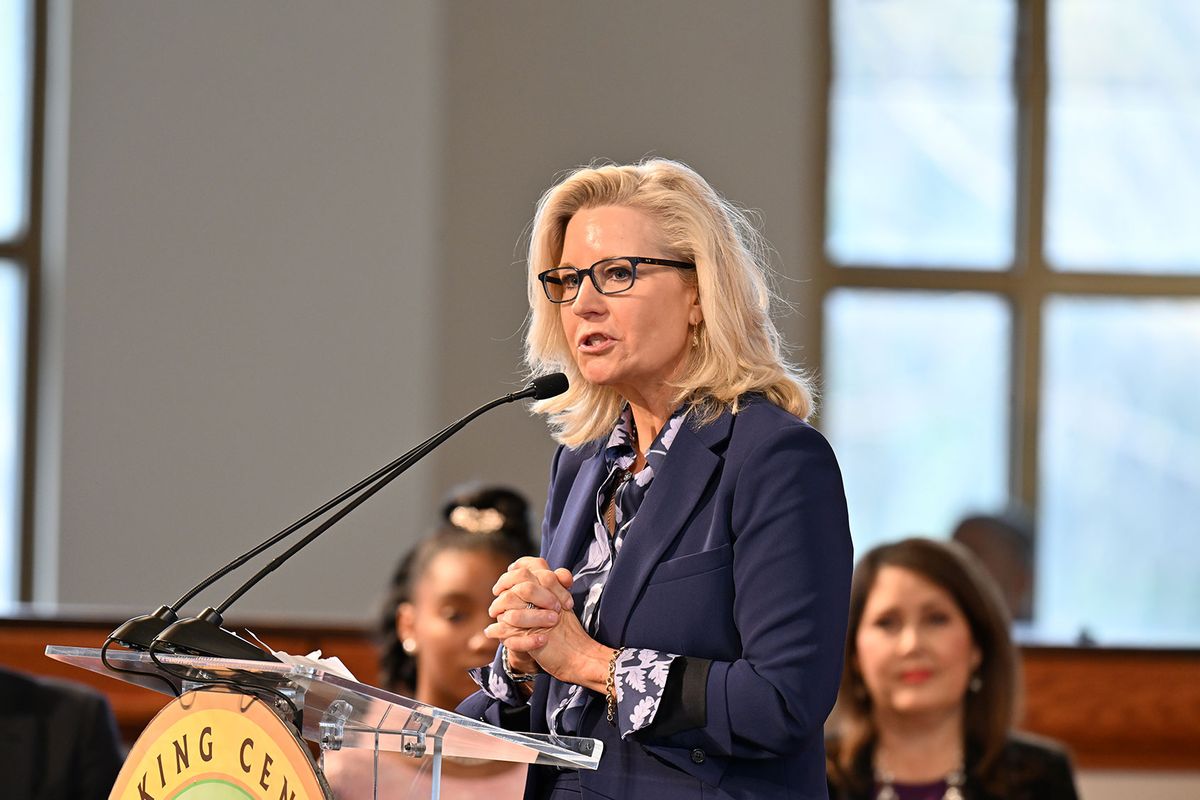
(548, 386)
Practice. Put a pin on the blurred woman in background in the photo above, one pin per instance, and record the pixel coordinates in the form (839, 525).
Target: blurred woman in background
(432, 633)
(501, 517)
(929, 688)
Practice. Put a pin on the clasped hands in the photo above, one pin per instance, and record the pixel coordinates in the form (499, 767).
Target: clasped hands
(535, 619)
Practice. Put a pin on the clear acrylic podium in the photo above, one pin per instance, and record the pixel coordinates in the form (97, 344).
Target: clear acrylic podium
(336, 712)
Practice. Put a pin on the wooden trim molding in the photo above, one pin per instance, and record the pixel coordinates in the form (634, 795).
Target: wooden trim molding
(1113, 709)
(23, 644)
(1116, 709)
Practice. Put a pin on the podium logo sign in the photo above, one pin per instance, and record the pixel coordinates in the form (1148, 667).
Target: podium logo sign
(217, 745)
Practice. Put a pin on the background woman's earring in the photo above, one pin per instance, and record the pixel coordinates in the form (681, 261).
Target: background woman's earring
(409, 645)
(975, 684)
(695, 337)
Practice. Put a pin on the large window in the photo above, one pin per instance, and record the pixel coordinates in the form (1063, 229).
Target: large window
(1012, 291)
(18, 264)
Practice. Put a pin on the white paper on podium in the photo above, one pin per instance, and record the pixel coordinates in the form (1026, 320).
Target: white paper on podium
(314, 659)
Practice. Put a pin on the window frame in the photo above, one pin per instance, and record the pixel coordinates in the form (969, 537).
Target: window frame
(1025, 285)
(25, 251)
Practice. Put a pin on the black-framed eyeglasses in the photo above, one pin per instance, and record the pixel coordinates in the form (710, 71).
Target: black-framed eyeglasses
(609, 276)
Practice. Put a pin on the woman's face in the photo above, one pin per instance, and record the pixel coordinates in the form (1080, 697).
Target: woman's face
(446, 618)
(636, 340)
(914, 645)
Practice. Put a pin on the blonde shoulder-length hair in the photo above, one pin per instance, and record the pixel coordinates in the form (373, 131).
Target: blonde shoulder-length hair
(739, 348)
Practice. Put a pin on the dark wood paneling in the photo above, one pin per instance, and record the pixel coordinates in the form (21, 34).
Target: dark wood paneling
(1117, 708)
(1114, 709)
(23, 644)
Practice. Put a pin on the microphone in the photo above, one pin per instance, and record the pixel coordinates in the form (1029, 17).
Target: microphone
(138, 633)
(542, 387)
(203, 635)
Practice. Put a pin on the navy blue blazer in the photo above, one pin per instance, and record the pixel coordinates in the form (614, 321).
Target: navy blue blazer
(739, 559)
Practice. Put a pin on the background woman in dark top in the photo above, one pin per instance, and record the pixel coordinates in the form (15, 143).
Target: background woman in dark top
(929, 688)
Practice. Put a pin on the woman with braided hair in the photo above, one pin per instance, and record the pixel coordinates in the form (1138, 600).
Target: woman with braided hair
(431, 634)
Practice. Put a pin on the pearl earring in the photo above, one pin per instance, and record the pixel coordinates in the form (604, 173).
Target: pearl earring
(409, 645)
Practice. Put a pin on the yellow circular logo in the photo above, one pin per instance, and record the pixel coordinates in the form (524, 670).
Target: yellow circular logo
(218, 745)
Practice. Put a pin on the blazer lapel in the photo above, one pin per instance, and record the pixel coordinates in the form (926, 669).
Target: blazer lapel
(668, 504)
(575, 524)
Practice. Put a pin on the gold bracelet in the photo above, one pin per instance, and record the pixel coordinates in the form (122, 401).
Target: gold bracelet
(610, 685)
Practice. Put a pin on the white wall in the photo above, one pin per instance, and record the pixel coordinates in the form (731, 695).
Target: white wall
(246, 326)
(1126, 785)
(535, 88)
(290, 250)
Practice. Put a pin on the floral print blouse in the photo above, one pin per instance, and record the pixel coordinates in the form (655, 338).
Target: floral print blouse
(641, 673)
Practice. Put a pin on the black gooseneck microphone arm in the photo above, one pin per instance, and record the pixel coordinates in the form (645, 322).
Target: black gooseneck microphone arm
(139, 632)
(205, 636)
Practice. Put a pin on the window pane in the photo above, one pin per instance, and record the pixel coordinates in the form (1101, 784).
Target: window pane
(14, 115)
(12, 321)
(916, 393)
(921, 138)
(1123, 168)
(1119, 544)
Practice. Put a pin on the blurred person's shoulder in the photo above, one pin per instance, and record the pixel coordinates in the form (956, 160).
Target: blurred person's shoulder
(30, 691)
(1035, 766)
(1029, 747)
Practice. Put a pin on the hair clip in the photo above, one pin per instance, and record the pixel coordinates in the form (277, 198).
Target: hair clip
(476, 520)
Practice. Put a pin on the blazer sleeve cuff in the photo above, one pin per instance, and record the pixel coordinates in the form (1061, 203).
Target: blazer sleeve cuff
(684, 702)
